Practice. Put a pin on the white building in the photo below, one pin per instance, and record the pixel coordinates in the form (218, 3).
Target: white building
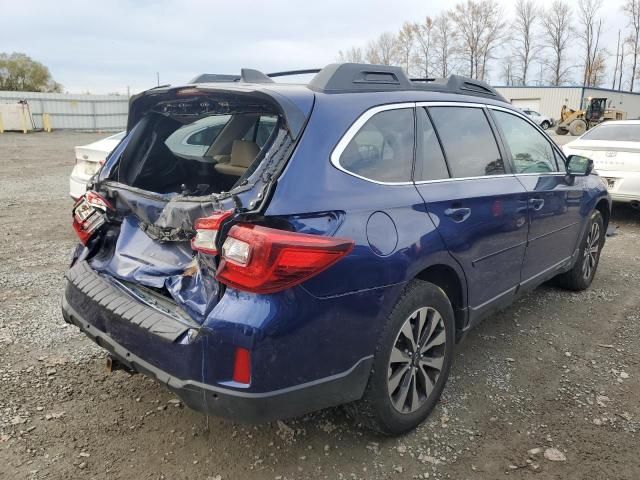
(549, 100)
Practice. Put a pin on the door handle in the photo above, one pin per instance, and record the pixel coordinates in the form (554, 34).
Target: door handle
(458, 214)
(536, 203)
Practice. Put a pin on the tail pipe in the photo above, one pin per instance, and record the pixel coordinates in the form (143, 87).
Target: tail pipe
(114, 364)
(635, 204)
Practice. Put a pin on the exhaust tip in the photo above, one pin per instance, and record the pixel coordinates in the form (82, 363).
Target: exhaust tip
(635, 204)
(113, 364)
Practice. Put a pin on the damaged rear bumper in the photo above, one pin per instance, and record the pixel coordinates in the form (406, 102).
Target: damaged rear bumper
(118, 322)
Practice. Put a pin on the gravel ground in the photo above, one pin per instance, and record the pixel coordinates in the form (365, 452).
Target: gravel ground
(548, 388)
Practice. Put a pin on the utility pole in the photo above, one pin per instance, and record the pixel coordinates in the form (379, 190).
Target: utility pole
(615, 70)
(158, 78)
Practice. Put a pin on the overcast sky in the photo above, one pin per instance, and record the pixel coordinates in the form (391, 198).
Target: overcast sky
(103, 47)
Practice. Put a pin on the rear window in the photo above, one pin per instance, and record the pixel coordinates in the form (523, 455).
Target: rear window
(382, 149)
(615, 133)
(190, 147)
(469, 145)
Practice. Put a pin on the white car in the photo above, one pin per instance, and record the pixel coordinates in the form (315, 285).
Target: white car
(89, 159)
(614, 147)
(542, 120)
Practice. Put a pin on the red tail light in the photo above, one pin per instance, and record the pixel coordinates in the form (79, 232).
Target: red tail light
(264, 260)
(242, 366)
(89, 215)
(207, 232)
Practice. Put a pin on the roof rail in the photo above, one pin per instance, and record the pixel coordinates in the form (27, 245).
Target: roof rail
(361, 77)
(355, 77)
(290, 73)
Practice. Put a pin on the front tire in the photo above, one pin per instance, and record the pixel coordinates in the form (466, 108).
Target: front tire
(545, 125)
(581, 275)
(577, 127)
(411, 363)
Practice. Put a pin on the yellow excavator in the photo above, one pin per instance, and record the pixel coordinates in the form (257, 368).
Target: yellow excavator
(593, 112)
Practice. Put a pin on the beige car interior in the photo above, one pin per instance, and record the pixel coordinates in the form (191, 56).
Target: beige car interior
(243, 153)
(233, 156)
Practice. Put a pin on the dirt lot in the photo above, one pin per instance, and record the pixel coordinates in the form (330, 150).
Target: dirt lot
(557, 370)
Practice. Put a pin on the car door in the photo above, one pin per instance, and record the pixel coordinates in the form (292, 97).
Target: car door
(479, 208)
(553, 198)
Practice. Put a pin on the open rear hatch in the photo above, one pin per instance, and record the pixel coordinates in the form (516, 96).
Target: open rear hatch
(200, 152)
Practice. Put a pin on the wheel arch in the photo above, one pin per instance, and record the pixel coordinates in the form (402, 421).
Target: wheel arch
(603, 207)
(454, 286)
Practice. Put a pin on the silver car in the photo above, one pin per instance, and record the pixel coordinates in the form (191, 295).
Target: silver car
(542, 120)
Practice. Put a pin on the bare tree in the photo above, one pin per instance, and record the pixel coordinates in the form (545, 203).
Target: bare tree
(480, 27)
(444, 40)
(556, 29)
(589, 32)
(424, 35)
(632, 9)
(405, 45)
(524, 36)
(508, 74)
(382, 50)
(351, 55)
(599, 69)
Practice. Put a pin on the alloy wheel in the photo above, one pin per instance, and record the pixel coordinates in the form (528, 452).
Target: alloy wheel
(417, 358)
(591, 251)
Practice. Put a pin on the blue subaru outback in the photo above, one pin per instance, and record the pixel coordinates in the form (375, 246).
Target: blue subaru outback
(327, 243)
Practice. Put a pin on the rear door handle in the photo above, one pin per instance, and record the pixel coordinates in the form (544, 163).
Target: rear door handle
(458, 214)
(536, 203)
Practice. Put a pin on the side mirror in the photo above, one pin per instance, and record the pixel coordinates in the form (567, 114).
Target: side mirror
(579, 166)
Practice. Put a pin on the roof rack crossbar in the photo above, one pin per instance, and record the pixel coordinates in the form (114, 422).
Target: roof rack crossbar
(289, 73)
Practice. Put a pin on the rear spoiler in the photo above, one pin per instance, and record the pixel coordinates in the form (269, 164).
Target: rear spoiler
(294, 103)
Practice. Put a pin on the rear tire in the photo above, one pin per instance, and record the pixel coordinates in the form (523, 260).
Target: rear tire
(406, 381)
(544, 125)
(581, 275)
(577, 127)
(561, 131)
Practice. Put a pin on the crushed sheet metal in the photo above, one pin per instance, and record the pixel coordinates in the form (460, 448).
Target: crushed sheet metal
(140, 259)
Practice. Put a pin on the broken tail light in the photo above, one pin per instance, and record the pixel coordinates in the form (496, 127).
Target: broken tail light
(207, 232)
(89, 214)
(265, 260)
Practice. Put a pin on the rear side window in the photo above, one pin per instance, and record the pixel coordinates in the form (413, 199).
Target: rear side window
(205, 136)
(530, 151)
(430, 162)
(382, 149)
(468, 141)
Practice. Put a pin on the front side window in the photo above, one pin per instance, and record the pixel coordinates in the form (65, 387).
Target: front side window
(468, 141)
(382, 150)
(530, 150)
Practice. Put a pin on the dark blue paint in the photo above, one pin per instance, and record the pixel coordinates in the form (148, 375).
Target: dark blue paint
(494, 233)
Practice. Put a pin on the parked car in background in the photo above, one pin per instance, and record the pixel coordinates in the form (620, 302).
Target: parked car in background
(614, 147)
(331, 245)
(89, 159)
(542, 120)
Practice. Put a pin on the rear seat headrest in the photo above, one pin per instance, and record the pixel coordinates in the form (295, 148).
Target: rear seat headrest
(243, 153)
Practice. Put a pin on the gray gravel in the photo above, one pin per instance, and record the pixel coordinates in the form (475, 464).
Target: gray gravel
(548, 387)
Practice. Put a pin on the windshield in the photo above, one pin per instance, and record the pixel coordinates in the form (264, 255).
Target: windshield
(615, 133)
